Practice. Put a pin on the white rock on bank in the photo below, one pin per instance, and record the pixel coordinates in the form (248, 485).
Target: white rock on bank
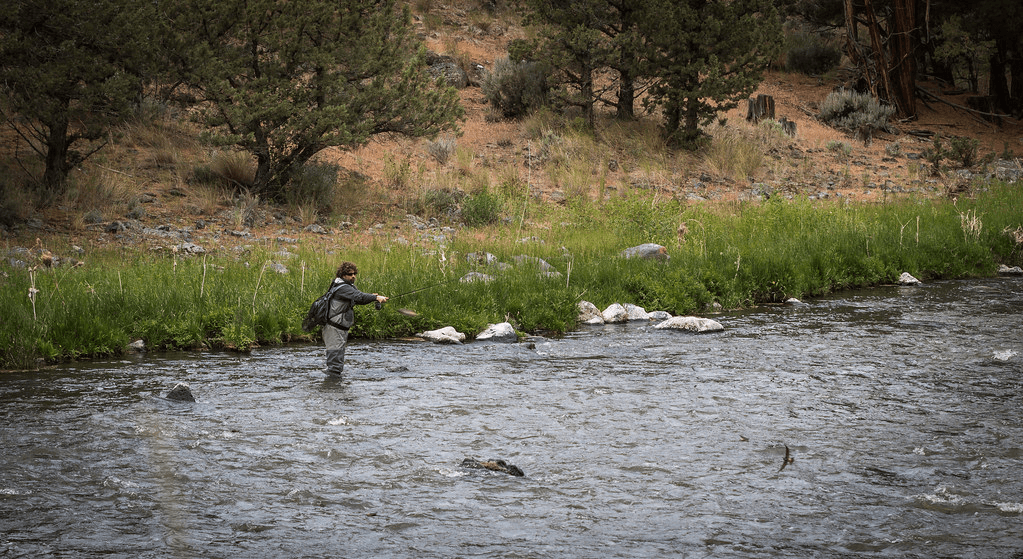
(503, 332)
(445, 335)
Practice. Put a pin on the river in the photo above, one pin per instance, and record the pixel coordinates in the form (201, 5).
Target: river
(900, 408)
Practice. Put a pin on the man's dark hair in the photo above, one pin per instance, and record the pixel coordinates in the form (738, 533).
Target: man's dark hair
(346, 268)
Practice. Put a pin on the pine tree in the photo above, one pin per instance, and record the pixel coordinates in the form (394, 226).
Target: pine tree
(707, 55)
(68, 70)
(284, 80)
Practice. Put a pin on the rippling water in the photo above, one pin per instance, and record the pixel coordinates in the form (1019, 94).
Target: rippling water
(900, 406)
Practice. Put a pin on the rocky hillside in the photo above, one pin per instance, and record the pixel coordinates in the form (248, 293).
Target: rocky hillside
(155, 194)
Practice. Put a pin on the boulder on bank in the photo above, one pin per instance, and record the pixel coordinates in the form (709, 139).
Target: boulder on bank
(691, 323)
(445, 335)
(503, 333)
(181, 393)
(493, 465)
(1007, 271)
(589, 313)
(649, 251)
(615, 313)
(907, 279)
(635, 312)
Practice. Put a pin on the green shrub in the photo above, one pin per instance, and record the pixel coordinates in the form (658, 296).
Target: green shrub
(963, 150)
(856, 112)
(482, 208)
(812, 56)
(516, 88)
(314, 182)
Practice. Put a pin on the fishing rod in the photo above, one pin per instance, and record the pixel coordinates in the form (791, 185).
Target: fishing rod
(407, 312)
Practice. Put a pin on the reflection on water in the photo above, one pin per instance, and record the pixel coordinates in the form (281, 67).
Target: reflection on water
(900, 407)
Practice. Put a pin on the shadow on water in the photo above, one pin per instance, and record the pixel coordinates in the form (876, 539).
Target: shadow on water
(898, 407)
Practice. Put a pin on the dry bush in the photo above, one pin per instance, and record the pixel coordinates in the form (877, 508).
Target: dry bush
(738, 150)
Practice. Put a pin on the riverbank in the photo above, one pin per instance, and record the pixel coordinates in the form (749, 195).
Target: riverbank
(95, 301)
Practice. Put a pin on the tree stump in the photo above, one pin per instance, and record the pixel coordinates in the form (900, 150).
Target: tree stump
(760, 107)
(788, 127)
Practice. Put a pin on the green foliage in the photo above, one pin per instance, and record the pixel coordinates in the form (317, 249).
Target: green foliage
(809, 54)
(963, 150)
(315, 182)
(482, 208)
(706, 57)
(68, 72)
(326, 74)
(516, 88)
(856, 112)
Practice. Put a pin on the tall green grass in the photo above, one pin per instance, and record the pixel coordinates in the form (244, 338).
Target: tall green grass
(735, 254)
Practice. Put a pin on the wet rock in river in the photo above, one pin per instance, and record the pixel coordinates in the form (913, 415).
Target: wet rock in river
(493, 465)
(181, 393)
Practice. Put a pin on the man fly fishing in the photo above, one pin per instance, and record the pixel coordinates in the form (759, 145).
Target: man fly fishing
(341, 315)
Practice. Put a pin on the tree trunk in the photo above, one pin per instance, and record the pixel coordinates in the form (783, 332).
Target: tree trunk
(57, 146)
(904, 57)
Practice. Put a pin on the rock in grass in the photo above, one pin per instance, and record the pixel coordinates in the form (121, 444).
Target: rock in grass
(181, 393)
(649, 251)
(691, 323)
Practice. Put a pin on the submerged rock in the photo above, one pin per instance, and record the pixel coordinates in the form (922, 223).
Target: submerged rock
(181, 393)
(493, 465)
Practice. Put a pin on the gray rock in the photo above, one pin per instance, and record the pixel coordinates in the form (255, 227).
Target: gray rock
(316, 228)
(650, 251)
(636, 313)
(503, 333)
(181, 393)
(1007, 271)
(660, 315)
(792, 301)
(279, 268)
(615, 313)
(589, 313)
(476, 276)
(137, 345)
(691, 323)
(190, 248)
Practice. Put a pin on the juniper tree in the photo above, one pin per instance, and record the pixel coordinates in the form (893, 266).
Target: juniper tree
(284, 80)
(572, 46)
(707, 55)
(68, 70)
